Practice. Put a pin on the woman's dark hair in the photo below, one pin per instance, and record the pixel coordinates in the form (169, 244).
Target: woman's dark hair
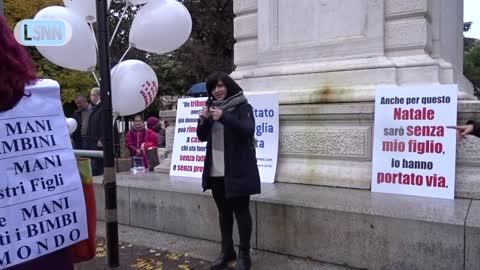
(16, 69)
(212, 80)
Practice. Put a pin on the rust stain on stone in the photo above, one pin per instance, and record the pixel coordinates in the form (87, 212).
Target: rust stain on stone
(327, 94)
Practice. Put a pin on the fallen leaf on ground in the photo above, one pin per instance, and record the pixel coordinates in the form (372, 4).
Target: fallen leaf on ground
(173, 257)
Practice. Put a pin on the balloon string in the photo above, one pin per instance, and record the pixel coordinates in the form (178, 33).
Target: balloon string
(121, 59)
(118, 24)
(96, 78)
(94, 36)
(125, 54)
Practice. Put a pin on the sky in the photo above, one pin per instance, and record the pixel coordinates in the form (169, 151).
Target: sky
(472, 14)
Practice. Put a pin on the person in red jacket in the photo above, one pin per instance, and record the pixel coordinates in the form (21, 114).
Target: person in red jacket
(139, 139)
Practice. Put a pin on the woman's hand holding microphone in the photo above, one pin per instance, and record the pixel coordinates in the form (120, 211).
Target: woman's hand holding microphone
(204, 112)
(214, 112)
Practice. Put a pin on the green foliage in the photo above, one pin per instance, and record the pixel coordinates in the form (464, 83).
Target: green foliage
(73, 83)
(471, 65)
(209, 48)
(17, 10)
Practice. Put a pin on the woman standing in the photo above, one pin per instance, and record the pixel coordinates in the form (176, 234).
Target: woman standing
(230, 169)
(139, 139)
(18, 71)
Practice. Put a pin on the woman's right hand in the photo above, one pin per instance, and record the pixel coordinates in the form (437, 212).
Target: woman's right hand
(203, 112)
(139, 152)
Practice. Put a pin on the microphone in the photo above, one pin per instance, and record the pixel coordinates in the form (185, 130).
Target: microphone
(202, 119)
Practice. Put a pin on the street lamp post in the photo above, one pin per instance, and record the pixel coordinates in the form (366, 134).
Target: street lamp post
(109, 177)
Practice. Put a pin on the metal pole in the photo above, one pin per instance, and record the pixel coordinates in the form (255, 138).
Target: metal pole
(109, 177)
(88, 153)
(1, 7)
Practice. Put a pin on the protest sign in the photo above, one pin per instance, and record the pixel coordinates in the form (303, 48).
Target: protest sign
(265, 111)
(42, 207)
(414, 150)
(189, 152)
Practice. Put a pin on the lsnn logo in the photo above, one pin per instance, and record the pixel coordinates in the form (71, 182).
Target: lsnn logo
(43, 32)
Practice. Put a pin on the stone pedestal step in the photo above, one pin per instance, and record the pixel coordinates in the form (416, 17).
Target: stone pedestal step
(355, 228)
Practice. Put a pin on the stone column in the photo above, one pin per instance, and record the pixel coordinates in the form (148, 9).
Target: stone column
(169, 116)
(325, 58)
(320, 51)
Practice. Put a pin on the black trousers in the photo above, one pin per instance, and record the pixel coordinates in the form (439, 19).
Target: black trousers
(226, 209)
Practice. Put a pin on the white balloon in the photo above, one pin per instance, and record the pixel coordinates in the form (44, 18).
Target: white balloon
(134, 87)
(161, 26)
(138, 2)
(85, 8)
(80, 52)
(71, 124)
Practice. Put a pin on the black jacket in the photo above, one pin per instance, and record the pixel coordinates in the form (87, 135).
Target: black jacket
(95, 127)
(77, 135)
(241, 171)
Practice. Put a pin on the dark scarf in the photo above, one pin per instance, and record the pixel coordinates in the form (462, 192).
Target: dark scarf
(230, 103)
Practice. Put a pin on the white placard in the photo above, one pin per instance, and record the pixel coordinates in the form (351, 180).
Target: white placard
(41, 197)
(266, 112)
(189, 153)
(414, 151)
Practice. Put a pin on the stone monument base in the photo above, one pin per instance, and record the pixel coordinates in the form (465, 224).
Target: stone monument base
(331, 145)
(346, 227)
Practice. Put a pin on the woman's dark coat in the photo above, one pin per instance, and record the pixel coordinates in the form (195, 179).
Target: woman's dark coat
(241, 171)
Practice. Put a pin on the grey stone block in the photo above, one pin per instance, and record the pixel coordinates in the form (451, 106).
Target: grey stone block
(208, 251)
(362, 229)
(472, 237)
(177, 205)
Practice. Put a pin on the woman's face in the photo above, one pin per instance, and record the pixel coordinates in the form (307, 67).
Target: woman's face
(220, 91)
(138, 123)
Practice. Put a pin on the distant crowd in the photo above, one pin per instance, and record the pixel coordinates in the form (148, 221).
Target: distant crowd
(90, 128)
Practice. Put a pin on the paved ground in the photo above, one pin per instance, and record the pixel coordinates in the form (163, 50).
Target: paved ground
(138, 257)
(151, 250)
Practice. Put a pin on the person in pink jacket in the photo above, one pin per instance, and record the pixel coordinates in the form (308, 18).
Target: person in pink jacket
(139, 139)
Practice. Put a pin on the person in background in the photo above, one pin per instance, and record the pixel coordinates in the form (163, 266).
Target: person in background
(227, 124)
(95, 130)
(154, 124)
(82, 116)
(471, 127)
(17, 70)
(138, 137)
(95, 96)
